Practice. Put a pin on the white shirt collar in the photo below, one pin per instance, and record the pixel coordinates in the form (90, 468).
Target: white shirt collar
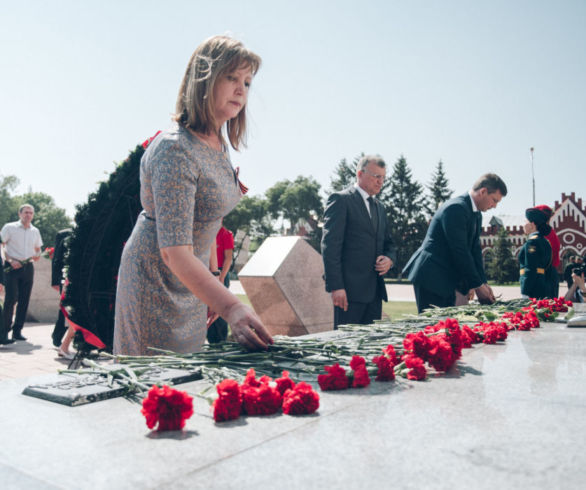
(363, 193)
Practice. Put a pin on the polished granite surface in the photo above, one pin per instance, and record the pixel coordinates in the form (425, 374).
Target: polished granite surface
(509, 416)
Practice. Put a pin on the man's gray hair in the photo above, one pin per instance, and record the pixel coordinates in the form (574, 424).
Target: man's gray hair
(366, 159)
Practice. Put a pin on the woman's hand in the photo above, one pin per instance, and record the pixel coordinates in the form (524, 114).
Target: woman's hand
(247, 329)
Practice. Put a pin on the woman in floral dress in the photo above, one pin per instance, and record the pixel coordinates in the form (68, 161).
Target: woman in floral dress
(187, 186)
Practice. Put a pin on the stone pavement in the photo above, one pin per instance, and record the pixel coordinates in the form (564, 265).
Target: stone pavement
(36, 355)
(507, 416)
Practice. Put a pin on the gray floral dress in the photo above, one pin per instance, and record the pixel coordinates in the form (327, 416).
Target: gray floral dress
(186, 187)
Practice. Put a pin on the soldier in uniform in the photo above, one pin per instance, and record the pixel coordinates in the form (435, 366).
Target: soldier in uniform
(535, 256)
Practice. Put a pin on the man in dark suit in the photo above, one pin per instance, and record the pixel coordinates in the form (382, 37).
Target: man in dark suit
(4, 340)
(356, 246)
(56, 279)
(450, 257)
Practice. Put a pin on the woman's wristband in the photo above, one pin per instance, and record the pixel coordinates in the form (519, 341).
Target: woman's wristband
(216, 273)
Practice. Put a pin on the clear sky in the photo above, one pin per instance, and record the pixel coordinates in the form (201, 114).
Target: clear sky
(473, 83)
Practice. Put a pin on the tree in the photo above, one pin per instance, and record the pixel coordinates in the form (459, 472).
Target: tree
(344, 174)
(49, 219)
(439, 192)
(296, 201)
(252, 218)
(7, 204)
(404, 202)
(502, 266)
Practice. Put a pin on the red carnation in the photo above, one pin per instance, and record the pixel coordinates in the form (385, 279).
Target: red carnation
(336, 378)
(417, 369)
(389, 352)
(386, 371)
(260, 396)
(469, 337)
(357, 362)
(228, 405)
(441, 355)
(360, 377)
(284, 383)
(167, 406)
(300, 400)
(417, 344)
(261, 400)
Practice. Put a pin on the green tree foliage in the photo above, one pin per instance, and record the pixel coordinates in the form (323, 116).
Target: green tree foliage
(7, 204)
(344, 174)
(251, 217)
(438, 190)
(295, 201)
(502, 265)
(404, 202)
(49, 219)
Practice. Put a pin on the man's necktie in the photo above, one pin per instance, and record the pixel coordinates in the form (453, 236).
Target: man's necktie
(373, 213)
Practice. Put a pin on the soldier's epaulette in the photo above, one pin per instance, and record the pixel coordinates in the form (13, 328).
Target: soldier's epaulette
(533, 236)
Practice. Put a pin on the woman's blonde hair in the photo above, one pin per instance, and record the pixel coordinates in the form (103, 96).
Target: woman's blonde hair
(213, 58)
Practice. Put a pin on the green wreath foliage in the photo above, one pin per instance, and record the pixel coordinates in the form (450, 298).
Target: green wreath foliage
(103, 225)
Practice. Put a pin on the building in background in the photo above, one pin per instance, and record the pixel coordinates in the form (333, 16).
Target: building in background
(568, 220)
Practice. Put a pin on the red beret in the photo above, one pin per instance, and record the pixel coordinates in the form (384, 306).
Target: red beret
(545, 210)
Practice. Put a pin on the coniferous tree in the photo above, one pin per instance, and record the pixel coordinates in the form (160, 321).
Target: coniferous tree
(502, 265)
(404, 201)
(438, 189)
(344, 174)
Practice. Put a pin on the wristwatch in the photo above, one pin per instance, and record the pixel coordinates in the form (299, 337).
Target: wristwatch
(216, 273)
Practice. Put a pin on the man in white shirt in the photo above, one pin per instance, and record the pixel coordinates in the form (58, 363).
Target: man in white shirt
(22, 246)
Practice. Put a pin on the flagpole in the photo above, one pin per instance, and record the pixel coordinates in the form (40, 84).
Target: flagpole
(532, 174)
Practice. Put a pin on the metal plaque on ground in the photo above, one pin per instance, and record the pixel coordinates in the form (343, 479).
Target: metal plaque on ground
(74, 389)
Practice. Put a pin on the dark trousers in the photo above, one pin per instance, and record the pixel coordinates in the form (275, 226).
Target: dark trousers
(426, 298)
(18, 284)
(553, 283)
(218, 331)
(60, 327)
(358, 313)
(3, 331)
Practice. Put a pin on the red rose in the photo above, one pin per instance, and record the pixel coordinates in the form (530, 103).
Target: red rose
(336, 378)
(228, 405)
(300, 400)
(284, 383)
(167, 406)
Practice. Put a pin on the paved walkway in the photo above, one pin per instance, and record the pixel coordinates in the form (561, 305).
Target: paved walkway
(38, 356)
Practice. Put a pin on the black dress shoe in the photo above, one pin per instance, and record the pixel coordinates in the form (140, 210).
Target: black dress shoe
(18, 336)
(6, 341)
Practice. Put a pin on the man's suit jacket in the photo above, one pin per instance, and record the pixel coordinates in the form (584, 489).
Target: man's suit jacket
(350, 246)
(450, 256)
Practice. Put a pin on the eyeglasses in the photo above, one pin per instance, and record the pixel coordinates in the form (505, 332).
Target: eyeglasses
(376, 176)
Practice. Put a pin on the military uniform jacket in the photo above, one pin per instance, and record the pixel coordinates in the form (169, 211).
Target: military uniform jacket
(534, 260)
